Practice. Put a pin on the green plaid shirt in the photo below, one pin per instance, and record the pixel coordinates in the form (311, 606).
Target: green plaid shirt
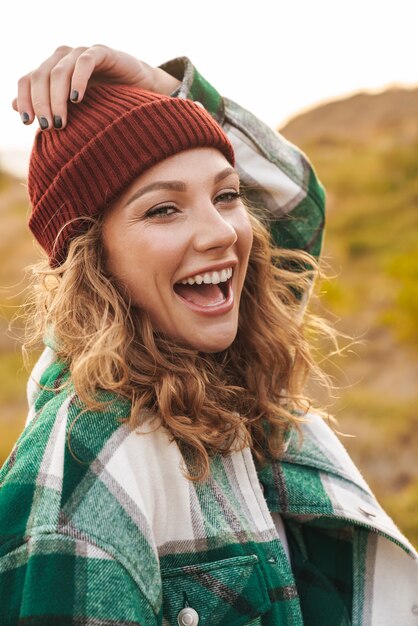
(99, 527)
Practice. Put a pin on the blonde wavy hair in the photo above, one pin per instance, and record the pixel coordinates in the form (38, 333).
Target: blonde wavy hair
(249, 394)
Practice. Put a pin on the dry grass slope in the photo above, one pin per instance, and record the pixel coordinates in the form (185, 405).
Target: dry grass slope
(360, 118)
(16, 251)
(365, 150)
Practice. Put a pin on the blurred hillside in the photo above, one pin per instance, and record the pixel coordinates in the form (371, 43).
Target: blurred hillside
(16, 251)
(360, 118)
(365, 150)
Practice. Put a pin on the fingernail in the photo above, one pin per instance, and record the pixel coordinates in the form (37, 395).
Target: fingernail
(74, 95)
(24, 117)
(43, 122)
(57, 121)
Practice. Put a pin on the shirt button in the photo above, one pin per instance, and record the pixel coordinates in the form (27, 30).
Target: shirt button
(188, 617)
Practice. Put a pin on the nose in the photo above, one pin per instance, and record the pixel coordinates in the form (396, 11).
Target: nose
(213, 230)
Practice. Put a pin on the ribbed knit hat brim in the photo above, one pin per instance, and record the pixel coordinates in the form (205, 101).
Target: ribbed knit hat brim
(115, 134)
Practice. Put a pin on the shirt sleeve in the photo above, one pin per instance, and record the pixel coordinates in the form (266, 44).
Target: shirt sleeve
(276, 176)
(55, 579)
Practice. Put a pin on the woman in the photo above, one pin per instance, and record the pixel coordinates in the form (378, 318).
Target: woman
(170, 472)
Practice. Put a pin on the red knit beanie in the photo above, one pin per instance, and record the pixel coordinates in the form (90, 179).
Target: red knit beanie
(112, 136)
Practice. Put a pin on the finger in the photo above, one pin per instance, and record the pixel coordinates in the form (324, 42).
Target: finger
(40, 99)
(59, 86)
(40, 88)
(85, 65)
(23, 102)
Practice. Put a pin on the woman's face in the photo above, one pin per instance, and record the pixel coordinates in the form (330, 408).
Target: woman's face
(178, 240)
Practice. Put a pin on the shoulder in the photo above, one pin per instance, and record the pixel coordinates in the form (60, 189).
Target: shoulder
(320, 469)
(65, 489)
(39, 461)
(55, 464)
(321, 447)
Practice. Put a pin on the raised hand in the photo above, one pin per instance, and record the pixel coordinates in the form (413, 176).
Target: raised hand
(44, 92)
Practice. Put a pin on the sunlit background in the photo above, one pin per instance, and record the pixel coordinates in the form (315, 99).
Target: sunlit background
(276, 58)
(279, 60)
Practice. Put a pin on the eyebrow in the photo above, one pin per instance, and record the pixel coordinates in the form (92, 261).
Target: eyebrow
(176, 185)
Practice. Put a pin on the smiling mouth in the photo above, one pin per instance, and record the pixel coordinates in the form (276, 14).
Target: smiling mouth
(205, 295)
(206, 292)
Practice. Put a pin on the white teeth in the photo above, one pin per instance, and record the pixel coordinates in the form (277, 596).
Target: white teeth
(209, 278)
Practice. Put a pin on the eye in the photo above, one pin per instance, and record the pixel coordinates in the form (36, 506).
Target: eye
(161, 211)
(228, 196)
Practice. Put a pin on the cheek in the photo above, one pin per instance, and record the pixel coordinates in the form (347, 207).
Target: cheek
(129, 250)
(141, 261)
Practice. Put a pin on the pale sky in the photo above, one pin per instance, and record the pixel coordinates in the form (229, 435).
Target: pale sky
(275, 58)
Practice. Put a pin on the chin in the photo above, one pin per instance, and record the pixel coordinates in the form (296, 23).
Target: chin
(203, 339)
(212, 345)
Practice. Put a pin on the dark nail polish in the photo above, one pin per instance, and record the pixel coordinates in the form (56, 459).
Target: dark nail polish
(57, 121)
(74, 95)
(43, 122)
(25, 117)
